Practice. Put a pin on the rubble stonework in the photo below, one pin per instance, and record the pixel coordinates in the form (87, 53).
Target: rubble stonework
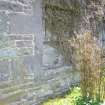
(30, 70)
(16, 6)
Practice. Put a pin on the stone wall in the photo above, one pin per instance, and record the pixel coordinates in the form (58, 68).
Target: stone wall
(37, 68)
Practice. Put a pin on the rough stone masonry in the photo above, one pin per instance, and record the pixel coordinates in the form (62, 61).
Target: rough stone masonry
(32, 69)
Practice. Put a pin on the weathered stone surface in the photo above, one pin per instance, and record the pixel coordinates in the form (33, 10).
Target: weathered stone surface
(51, 58)
(21, 37)
(36, 92)
(24, 44)
(38, 71)
(16, 6)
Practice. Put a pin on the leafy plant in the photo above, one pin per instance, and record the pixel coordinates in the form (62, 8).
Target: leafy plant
(87, 101)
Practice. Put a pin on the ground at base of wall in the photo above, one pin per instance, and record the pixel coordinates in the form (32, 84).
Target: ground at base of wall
(72, 97)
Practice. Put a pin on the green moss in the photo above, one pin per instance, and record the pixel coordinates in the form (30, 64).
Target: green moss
(73, 10)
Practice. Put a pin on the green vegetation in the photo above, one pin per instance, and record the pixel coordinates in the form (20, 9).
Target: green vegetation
(72, 97)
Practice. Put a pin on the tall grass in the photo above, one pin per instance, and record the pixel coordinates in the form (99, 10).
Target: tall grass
(88, 60)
